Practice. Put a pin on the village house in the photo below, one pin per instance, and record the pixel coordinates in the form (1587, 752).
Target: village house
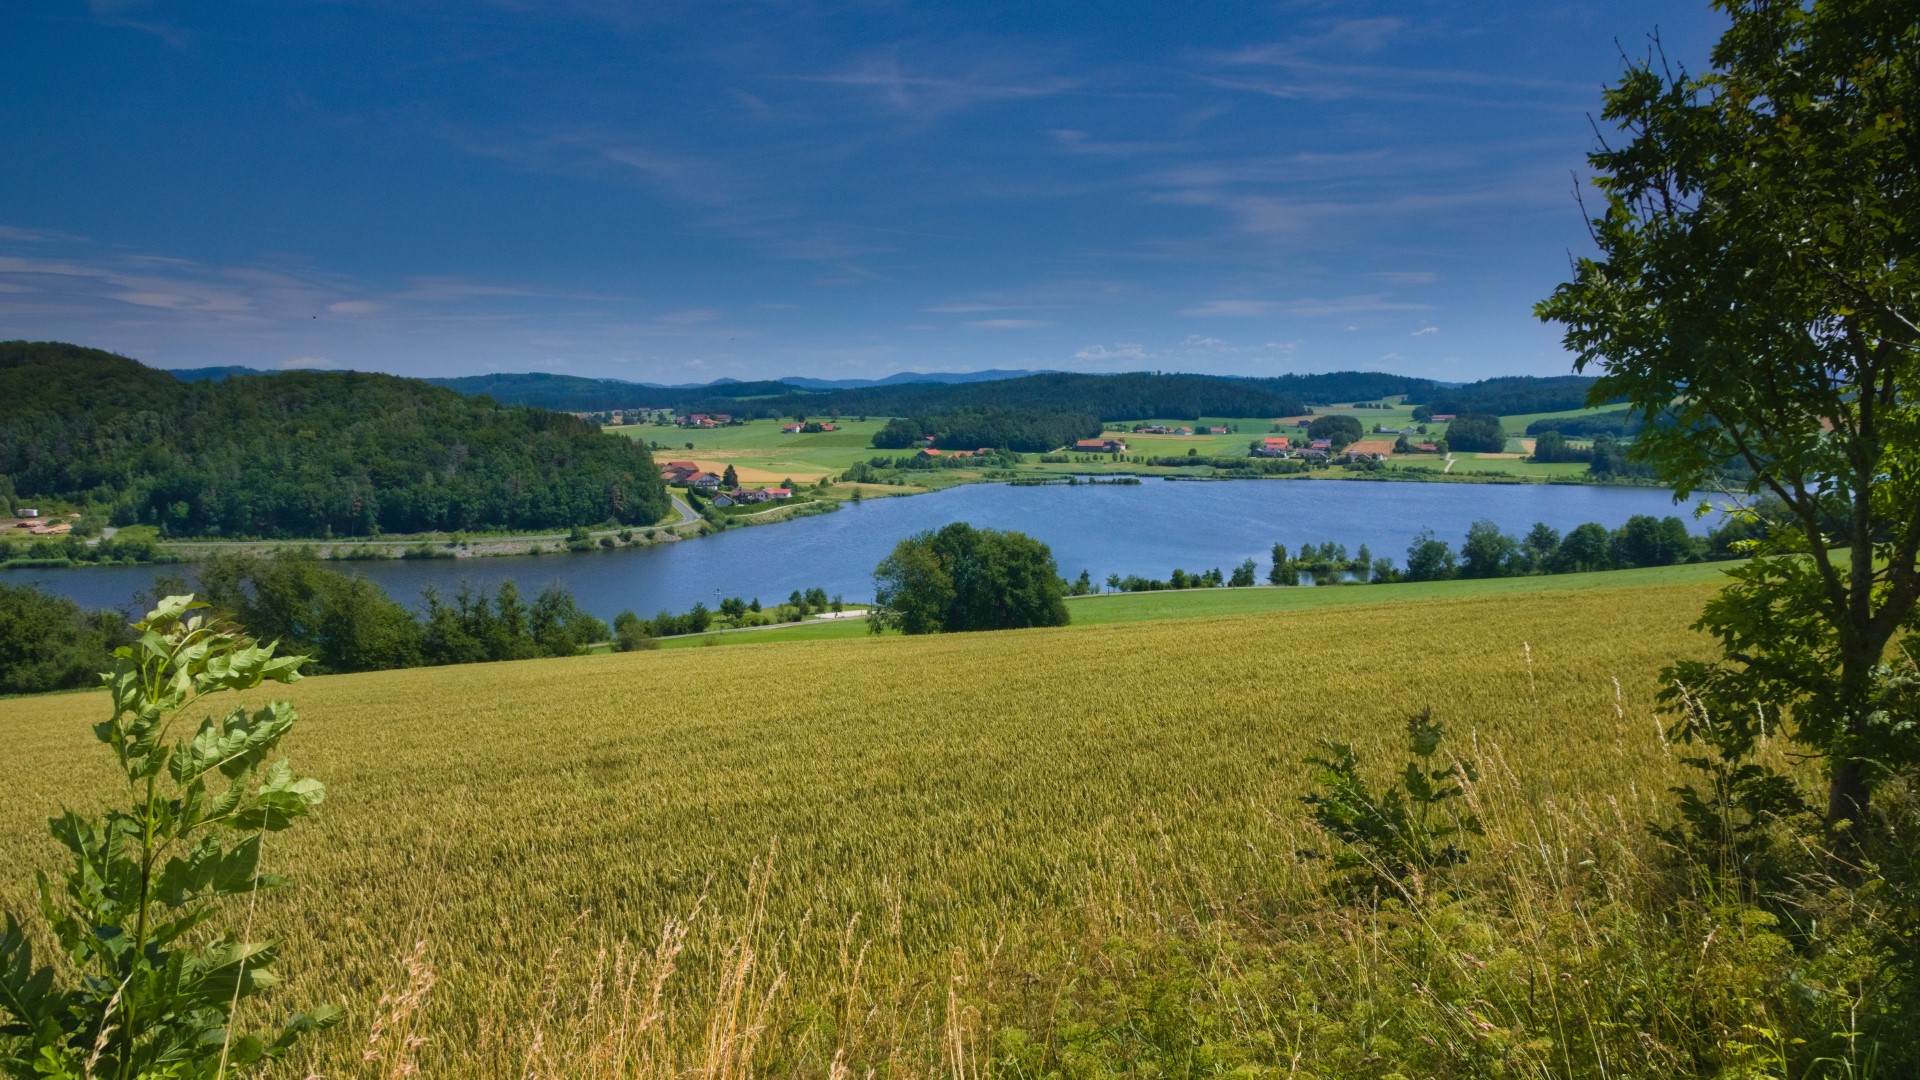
(723, 499)
(790, 429)
(1217, 429)
(1313, 455)
(1443, 418)
(1149, 429)
(1273, 446)
(1100, 446)
(705, 481)
(1183, 431)
(1322, 444)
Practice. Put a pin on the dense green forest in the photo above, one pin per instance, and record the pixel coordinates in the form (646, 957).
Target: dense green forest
(1029, 431)
(1132, 396)
(302, 453)
(1508, 395)
(1106, 397)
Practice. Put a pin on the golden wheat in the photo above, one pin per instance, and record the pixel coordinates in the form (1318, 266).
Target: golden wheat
(838, 858)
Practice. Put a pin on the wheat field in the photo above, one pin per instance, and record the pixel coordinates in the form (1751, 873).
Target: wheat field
(893, 856)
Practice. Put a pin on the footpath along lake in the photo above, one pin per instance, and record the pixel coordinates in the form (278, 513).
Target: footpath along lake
(1146, 529)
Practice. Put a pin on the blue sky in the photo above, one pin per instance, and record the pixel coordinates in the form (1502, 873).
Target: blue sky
(676, 192)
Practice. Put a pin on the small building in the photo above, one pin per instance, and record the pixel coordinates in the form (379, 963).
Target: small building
(1443, 418)
(1217, 429)
(705, 481)
(1100, 446)
(927, 451)
(723, 499)
(1322, 444)
(790, 429)
(1183, 431)
(27, 512)
(779, 493)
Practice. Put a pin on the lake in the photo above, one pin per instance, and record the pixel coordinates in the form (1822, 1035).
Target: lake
(1146, 529)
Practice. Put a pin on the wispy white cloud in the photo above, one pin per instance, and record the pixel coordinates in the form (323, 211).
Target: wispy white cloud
(1123, 351)
(1425, 331)
(1231, 309)
(1307, 307)
(924, 93)
(36, 236)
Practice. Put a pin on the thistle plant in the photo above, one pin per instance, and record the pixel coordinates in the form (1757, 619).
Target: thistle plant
(149, 988)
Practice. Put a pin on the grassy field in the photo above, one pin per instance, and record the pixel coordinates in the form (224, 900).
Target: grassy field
(760, 451)
(1006, 845)
(1205, 603)
(763, 454)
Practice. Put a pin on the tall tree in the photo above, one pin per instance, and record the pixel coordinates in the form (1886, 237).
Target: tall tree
(1757, 275)
(962, 578)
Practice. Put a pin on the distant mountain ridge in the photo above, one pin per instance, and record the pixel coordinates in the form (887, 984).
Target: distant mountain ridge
(206, 374)
(1162, 394)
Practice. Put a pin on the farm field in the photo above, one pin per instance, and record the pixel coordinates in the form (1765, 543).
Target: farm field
(959, 864)
(1109, 608)
(1515, 466)
(760, 452)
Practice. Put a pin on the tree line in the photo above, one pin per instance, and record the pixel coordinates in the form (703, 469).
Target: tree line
(1025, 430)
(302, 454)
(1128, 396)
(342, 622)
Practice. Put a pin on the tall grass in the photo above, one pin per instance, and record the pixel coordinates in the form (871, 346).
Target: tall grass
(1063, 852)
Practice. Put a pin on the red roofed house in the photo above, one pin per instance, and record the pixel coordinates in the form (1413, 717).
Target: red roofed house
(704, 480)
(1100, 446)
(789, 429)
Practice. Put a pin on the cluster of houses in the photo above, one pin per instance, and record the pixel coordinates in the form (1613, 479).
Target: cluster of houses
(706, 420)
(692, 475)
(795, 429)
(1162, 429)
(1316, 451)
(749, 496)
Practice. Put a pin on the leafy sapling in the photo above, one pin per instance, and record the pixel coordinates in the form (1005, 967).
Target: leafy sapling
(146, 990)
(1390, 838)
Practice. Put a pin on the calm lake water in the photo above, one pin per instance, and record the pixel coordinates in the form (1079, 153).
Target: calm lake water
(1147, 529)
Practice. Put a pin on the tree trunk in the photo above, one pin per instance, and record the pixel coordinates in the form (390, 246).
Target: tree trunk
(1847, 798)
(1848, 788)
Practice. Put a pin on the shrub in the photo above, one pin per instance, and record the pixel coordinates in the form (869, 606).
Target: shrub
(144, 989)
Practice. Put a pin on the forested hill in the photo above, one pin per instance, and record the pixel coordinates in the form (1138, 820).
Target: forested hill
(302, 453)
(1133, 396)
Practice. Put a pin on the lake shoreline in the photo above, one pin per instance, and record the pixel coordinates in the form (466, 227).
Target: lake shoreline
(438, 546)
